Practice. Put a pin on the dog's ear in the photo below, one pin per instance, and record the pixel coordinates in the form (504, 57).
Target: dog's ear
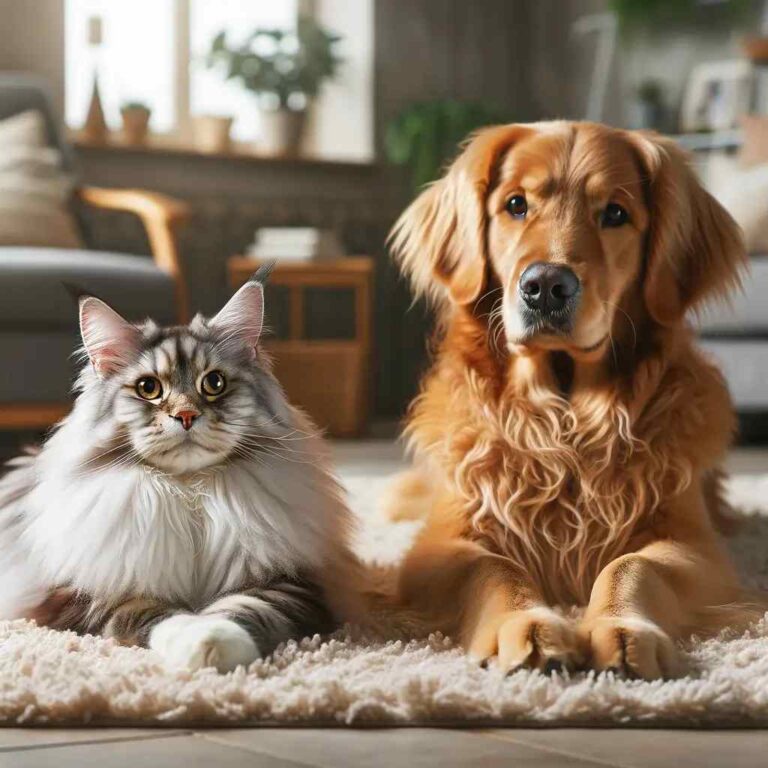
(440, 240)
(694, 248)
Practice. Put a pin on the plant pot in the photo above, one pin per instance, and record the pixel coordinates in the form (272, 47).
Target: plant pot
(282, 131)
(647, 115)
(211, 133)
(135, 125)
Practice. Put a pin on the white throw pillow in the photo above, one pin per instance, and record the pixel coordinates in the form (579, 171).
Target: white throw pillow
(34, 191)
(743, 191)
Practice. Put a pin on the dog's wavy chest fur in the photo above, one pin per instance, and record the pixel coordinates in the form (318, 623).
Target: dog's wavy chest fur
(561, 487)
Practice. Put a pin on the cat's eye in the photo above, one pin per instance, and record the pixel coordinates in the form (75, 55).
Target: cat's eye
(213, 383)
(149, 387)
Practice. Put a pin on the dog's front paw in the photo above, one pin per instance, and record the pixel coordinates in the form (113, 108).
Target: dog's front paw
(195, 642)
(536, 638)
(633, 647)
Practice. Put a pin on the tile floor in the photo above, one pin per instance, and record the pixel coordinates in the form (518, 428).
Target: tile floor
(388, 748)
(413, 747)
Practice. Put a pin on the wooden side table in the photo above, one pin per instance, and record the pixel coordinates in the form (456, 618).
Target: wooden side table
(329, 378)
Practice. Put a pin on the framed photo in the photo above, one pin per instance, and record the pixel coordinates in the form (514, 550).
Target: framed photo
(717, 95)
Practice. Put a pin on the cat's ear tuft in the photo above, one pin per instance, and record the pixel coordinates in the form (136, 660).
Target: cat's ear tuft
(110, 341)
(242, 317)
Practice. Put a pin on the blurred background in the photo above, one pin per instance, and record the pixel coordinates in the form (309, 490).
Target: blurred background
(298, 130)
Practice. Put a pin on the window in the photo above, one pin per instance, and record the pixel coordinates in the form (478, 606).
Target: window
(132, 46)
(153, 51)
(207, 93)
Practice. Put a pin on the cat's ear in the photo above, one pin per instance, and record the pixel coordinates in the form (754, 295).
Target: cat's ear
(242, 317)
(109, 339)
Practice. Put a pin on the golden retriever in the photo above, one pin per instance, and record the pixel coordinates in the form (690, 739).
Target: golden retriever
(568, 436)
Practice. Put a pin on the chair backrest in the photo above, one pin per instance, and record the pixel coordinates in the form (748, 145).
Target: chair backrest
(20, 92)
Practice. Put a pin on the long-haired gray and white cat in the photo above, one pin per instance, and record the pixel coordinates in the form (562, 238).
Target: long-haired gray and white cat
(183, 504)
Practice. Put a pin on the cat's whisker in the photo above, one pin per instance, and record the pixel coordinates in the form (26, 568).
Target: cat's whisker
(274, 451)
(273, 444)
(117, 464)
(295, 431)
(100, 456)
(266, 445)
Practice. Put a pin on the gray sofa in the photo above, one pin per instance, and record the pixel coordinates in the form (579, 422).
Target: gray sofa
(38, 317)
(737, 337)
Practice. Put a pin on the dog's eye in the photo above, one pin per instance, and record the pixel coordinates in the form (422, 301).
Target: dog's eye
(613, 216)
(149, 388)
(517, 207)
(213, 383)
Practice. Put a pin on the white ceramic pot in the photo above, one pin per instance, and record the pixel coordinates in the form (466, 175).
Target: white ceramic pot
(281, 131)
(211, 133)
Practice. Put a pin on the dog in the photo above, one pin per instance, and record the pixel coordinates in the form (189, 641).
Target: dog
(568, 437)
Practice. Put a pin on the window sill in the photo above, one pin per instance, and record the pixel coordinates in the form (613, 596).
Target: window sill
(158, 144)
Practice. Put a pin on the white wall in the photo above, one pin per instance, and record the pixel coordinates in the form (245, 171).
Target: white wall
(32, 40)
(342, 120)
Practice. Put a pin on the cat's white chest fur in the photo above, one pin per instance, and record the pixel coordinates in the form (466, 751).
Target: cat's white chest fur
(134, 530)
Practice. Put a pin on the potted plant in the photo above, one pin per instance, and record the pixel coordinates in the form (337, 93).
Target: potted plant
(648, 107)
(211, 133)
(426, 134)
(135, 116)
(285, 71)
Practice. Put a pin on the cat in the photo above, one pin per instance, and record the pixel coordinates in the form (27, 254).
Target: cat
(183, 505)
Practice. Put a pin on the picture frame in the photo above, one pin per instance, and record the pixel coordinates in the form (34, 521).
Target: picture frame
(717, 94)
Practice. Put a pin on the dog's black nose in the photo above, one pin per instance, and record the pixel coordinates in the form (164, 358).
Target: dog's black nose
(547, 287)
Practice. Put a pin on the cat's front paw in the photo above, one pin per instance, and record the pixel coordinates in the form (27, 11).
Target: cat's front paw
(195, 642)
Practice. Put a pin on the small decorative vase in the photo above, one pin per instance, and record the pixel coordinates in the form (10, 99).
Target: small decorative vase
(135, 124)
(95, 127)
(282, 131)
(211, 133)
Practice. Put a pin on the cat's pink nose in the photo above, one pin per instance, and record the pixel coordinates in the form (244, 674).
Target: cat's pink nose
(186, 418)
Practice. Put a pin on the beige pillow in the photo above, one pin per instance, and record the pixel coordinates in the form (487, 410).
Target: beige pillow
(754, 149)
(744, 194)
(34, 191)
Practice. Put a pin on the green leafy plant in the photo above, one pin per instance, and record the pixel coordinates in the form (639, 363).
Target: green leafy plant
(425, 135)
(286, 65)
(659, 14)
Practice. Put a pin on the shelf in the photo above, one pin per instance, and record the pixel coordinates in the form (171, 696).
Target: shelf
(710, 142)
(158, 144)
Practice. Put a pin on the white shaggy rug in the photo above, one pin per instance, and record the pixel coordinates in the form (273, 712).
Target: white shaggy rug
(52, 677)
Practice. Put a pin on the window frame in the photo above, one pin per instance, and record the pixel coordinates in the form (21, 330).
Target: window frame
(181, 135)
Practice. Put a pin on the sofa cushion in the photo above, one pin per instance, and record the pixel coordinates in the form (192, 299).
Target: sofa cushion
(32, 286)
(743, 191)
(754, 149)
(747, 312)
(34, 190)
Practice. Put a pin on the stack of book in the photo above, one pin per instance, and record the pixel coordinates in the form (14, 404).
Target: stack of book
(295, 244)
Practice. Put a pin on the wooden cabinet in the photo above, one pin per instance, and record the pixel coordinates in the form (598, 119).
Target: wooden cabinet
(328, 378)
